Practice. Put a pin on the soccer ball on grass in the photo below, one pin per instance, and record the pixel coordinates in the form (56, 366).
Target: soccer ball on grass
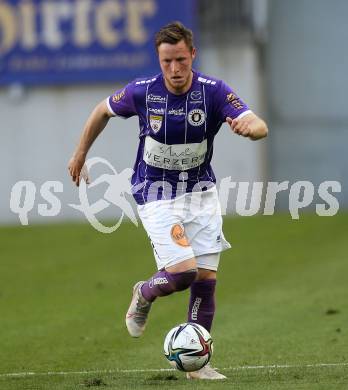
(188, 347)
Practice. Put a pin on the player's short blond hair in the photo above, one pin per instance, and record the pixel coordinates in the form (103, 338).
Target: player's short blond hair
(173, 33)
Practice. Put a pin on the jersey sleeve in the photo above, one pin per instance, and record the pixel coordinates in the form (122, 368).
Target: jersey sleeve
(228, 103)
(121, 103)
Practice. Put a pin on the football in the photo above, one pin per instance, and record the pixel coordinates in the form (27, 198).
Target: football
(188, 347)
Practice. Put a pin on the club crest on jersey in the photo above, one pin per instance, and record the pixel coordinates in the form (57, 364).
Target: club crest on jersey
(156, 122)
(196, 117)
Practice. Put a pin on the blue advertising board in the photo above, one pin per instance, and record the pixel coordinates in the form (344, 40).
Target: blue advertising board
(82, 41)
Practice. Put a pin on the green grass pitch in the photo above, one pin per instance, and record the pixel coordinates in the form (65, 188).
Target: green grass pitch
(282, 300)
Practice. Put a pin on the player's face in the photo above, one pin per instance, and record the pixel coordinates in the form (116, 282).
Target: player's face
(176, 65)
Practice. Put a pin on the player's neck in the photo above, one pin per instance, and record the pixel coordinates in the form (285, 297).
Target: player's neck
(182, 90)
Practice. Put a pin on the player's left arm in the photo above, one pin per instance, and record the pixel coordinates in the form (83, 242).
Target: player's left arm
(249, 125)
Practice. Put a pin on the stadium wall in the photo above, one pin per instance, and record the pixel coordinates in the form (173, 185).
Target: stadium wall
(307, 65)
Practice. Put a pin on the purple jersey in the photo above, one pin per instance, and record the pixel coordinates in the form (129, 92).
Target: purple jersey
(176, 133)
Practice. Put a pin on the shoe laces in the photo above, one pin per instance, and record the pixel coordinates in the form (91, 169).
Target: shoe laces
(142, 310)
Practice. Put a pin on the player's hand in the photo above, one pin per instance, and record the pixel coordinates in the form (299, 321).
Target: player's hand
(239, 126)
(78, 169)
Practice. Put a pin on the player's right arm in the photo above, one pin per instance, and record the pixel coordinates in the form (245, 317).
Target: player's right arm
(95, 124)
(121, 104)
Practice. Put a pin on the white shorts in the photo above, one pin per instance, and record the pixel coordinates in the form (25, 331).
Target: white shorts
(185, 227)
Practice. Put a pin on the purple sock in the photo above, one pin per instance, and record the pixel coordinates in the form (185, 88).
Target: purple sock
(165, 283)
(202, 303)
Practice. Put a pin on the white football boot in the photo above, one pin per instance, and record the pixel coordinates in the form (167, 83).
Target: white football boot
(137, 312)
(207, 372)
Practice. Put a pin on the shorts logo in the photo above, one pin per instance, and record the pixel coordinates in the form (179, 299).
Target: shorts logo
(196, 117)
(178, 235)
(156, 122)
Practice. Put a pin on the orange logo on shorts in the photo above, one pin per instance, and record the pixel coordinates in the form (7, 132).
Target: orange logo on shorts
(178, 235)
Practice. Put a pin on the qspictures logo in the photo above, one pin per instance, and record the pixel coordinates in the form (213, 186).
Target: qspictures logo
(23, 196)
(119, 190)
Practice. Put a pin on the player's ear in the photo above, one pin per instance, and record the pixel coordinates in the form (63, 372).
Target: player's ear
(193, 53)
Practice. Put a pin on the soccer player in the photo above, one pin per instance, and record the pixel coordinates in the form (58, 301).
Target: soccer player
(180, 111)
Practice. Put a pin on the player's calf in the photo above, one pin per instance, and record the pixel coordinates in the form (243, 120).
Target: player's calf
(144, 293)
(165, 283)
(202, 303)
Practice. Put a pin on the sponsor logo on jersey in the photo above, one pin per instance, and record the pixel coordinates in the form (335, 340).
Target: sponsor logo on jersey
(158, 111)
(196, 95)
(156, 98)
(179, 157)
(196, 117)
(195, 308)
(156, 122)
(178, 235)
(178, 112)
(116, 98)
(234, 101)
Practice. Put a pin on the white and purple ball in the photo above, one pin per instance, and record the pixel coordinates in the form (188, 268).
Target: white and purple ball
(188, 347)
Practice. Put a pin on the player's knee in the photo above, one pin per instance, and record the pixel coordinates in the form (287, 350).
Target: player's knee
(185, 279)
(205, 274)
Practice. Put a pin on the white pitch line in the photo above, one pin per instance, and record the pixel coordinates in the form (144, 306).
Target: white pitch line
(238, 368)
(317, 365)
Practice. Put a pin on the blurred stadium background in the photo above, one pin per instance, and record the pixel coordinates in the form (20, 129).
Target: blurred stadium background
(282, 293)
(59, 58)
